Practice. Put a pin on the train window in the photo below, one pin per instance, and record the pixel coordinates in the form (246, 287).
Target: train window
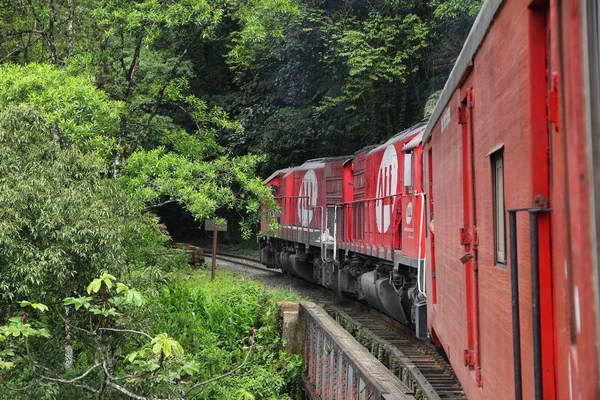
(408, 169)
(499, 219)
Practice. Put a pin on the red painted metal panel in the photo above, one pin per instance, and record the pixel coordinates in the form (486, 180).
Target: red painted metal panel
(575, 284)
(347, 199)
(500, 80)
(530, 92)
(431, 276)
(382, 202)
(334, 182)
(306, 197)
(540, 70)
(469, 234)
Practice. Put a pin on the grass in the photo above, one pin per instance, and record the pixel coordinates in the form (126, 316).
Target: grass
(214, 321)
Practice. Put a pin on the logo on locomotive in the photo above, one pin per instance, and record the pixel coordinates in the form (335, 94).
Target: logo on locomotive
(387, 183)
(307, 198)
(409, 213)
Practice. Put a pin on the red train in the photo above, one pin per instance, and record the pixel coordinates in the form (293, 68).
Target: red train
(479, 228)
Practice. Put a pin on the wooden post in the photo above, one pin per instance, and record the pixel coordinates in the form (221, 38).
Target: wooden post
(214, 254)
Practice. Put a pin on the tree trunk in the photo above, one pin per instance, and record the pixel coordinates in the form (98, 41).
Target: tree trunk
(51, 43)
(69, 362)
(129, 76)
(70, 37)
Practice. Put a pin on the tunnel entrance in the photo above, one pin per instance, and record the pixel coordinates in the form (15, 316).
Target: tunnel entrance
(180, 223)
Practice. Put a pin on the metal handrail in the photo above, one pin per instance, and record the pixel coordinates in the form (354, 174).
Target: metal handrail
(535, 299)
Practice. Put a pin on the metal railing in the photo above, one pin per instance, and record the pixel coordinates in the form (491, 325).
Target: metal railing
(362, 231)
(338, 367)
(535, 299)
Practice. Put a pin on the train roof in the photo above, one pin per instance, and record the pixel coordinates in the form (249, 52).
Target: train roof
(330, 159)
(418, 128)
(316, 163)
(274, 174)
(464, 62)
(414, 142)
(366, 149)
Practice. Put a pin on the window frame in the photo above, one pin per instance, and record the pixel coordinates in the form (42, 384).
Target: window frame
(496, 157)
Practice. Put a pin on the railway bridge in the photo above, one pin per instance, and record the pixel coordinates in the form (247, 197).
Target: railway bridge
(346, 358)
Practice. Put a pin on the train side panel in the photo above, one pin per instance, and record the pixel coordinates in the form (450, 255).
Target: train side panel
(516, 136)
(576, 209)
(482, 165)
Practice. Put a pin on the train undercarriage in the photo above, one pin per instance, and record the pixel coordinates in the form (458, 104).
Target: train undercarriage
(392, 291)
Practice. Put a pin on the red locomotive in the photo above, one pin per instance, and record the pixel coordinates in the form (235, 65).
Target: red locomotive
(357, 225)
(481, 227)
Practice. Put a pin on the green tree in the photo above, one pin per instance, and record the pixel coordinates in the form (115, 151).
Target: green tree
(361, 71)
(76, 112)
(63, 221)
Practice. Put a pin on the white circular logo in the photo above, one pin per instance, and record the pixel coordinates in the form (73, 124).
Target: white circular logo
(307, 198)
(387, 183)
(409, 213)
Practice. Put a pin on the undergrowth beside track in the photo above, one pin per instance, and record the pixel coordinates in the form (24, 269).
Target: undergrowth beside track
(213, 321)
(227, 328)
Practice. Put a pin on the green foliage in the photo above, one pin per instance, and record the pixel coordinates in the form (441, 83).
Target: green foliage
(17, 328)
(361, 71)
(62, 221)
(138, 55)
(72, 107)
(215, 319)
(376, 49)
(220, 324)
(36, 306)
(453, 9)
(202, 187)
(163, 344)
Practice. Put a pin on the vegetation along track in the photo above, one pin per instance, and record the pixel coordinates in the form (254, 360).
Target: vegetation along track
(414, 361)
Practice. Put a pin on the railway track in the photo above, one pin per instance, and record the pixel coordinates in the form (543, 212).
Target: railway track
(240, 260)
(416, 363)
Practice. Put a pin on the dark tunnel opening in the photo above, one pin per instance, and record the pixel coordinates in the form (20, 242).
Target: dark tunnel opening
(180, 223)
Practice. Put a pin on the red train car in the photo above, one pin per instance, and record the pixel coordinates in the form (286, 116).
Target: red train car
(511, 154)
(357, 225)
(275, 182)
(506, 178)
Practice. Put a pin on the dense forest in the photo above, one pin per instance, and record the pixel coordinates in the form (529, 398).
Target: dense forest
(110, 110)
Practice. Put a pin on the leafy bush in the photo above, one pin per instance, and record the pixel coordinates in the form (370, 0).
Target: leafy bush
(62, 221)
(206, 340)
(72, 106)
(213, 320)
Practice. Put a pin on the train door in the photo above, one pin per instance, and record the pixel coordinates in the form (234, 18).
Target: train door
(468, 234)
(543, 80)
(430, 230)
(593, 34)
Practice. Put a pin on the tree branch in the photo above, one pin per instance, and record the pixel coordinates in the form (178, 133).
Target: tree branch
(129, 76)
(69, 381)
(71, 325)
(20, 389)
(197, 385)
(135, 61)
(161, 92)
(121, 389)
(126, 331)
(162, 203)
